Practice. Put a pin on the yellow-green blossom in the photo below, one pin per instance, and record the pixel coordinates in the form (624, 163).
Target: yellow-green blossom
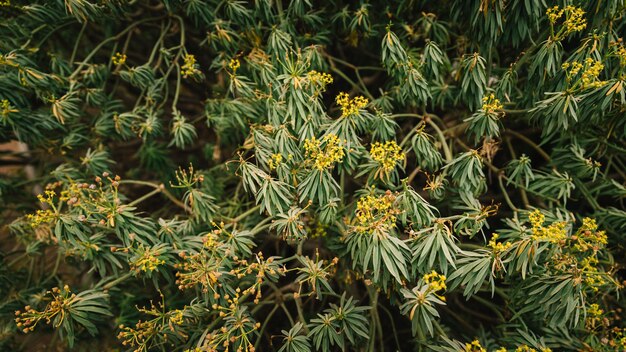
(387, 154)
(475, 346)
(320, 78)
(436, 281)
(350, 106)
(491, 104)
(325, 152)
(189, 67)
(498, 247)
(234, 65)
(118, 59)
(275, 161)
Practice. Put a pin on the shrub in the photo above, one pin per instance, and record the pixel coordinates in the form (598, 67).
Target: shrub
(206, 175)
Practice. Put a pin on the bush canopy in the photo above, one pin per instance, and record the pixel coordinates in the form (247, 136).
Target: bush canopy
(269, 175)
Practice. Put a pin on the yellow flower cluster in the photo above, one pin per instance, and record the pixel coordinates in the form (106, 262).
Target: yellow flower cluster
(594, 315)
(536, 218)
(5, 2)
(350, 106)
(189, 67)
(574, 18)
(593, 277)
(554, 13)
(491, 104)
(234, 65)
(594, 309)
(118, 59)
(498, 247)
(588, 238)
(148, 261)
(5, 108)
(48, 198)
(554, 233)
(40, 217)
(573, 67)
(387, 154)
(275, 161)
(325, 152)
(475, 346)
(320, 78)
(373, 211)
(592, 70)
(575, 21)
(436, 281)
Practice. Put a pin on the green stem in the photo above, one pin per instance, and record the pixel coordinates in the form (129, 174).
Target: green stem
(530, 143)
(144, 197)
(80, 36)
(117, 281)
(505, 194)
(446, 149)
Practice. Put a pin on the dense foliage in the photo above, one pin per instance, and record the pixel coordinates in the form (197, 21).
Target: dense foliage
(210, 175)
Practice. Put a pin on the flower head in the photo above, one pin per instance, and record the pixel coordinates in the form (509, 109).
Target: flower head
(350, 106)
(436, 281)
(234, 64)
(491, 104)
(475, 346)
(118, 59)
(325, 152)
(387, 154)
(189, 67)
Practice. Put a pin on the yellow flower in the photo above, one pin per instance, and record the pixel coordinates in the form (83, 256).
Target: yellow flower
(536, 218)
(436, 281)
(498, 247)
(5, 2)
(324, 157)
(575, 20)
(234, 64)
(554, 13)
(589, 224)
(320, 78)
(475, 346)
(591, 73)
(376, 212)
(275, 161)
(119, 59)
(387, 154)
(147, 261)
(594, 310)
(189, 67)
(491, 104)
(350, 106)
(6, 108)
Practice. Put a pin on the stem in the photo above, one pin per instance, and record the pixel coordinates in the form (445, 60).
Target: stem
(117, 281)
(442, 139)
(144, 197)
(161, 188)
(530, 143)
(246, 213)
(80, 36)
(505, 194)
